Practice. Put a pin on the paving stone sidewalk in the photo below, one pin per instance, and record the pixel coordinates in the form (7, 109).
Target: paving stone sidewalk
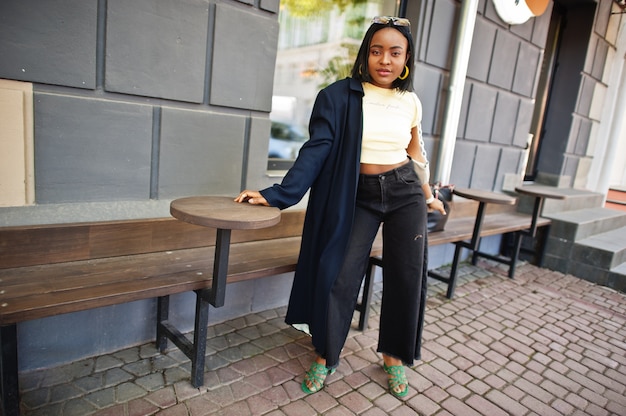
(542, 344)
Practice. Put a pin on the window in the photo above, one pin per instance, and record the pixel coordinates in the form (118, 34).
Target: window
(317, 45)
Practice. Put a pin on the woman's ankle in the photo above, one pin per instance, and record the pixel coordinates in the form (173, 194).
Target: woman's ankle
(320, 360)
(391, 361)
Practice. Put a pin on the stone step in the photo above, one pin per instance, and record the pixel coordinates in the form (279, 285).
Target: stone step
(605, 250)
(573, 226)
(617, 278)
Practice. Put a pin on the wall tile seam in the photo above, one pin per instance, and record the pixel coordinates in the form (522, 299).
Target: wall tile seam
(490, 144)
(585, 74)
(256, 5)
(112, 97)
(498, 89)
(606, 42)
(514, 34)
(508, 28)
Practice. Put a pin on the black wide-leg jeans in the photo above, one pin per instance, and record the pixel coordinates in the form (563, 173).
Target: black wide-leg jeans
(396, 200)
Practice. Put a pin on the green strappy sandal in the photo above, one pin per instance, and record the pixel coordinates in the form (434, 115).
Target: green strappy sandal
(397, 379)
(316, 376)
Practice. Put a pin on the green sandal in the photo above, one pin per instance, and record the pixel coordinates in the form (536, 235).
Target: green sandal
(316, 377)
(397, 379)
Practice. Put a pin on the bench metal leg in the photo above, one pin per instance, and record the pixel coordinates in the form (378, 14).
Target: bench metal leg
(194, 351)
(514, 256)
(368, 289)
(510, 261)
(451, 278)
(9, 386)
(163, 313)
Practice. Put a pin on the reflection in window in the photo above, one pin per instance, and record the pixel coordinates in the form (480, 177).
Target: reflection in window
(317, 44)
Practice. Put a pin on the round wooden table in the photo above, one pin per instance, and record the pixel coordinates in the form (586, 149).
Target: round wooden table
(540, 193)
(224, 214)
(484, 196)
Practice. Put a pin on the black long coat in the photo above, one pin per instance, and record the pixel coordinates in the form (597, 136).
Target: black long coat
(328, 164)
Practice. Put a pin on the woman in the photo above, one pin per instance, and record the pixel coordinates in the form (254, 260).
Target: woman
(364, 165)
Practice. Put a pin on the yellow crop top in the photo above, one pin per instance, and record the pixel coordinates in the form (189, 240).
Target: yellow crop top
(388, 117)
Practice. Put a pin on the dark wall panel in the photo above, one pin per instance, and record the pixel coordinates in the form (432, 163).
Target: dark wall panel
(599, 59)
(504, 60)
(157, 48)
(482, 50)
(505, 118)
(585, 96)
(440, 37)
(42, 41)
(583, 134)
(201, 153)
(91, 150)
(481, 111)
(510, 161)
(236, 79)
(527, 69)
(485, 167)
(460, 131)
(524, 121)
(427, 84)
(461, 174)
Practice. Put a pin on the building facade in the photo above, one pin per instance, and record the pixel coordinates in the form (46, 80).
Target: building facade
(110, 109)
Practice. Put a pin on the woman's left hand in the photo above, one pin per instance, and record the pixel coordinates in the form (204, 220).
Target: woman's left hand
(437, 205)
(252, 197)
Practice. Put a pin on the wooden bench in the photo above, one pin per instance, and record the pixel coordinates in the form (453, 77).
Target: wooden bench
(47, 270)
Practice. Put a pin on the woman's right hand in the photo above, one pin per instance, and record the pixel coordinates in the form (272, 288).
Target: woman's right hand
(252, 197)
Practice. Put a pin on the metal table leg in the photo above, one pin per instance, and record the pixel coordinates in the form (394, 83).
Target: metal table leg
(215, 296)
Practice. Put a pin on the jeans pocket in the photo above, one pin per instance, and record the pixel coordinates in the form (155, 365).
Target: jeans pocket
(409, 177)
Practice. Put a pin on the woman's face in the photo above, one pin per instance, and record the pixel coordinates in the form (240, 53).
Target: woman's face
(387, 56)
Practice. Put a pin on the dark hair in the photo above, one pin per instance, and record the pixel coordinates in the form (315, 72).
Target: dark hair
(360, 70)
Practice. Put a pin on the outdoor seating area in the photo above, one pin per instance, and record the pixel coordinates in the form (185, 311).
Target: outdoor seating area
(74, 267)
(543, 343)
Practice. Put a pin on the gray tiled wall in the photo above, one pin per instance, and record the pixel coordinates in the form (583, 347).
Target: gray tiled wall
(503, 78)
(141, 100)
(135, 103)
(497, 106)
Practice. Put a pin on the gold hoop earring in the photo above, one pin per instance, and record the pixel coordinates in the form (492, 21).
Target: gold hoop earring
(406, 75)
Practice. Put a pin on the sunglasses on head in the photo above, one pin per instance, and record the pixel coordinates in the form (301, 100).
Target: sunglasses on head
(389, 20)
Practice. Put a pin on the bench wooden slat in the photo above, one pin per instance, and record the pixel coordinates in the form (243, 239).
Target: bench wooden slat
(30, 293)
(501, 223)
(58, 243)
(42, 245)
(91, 283)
